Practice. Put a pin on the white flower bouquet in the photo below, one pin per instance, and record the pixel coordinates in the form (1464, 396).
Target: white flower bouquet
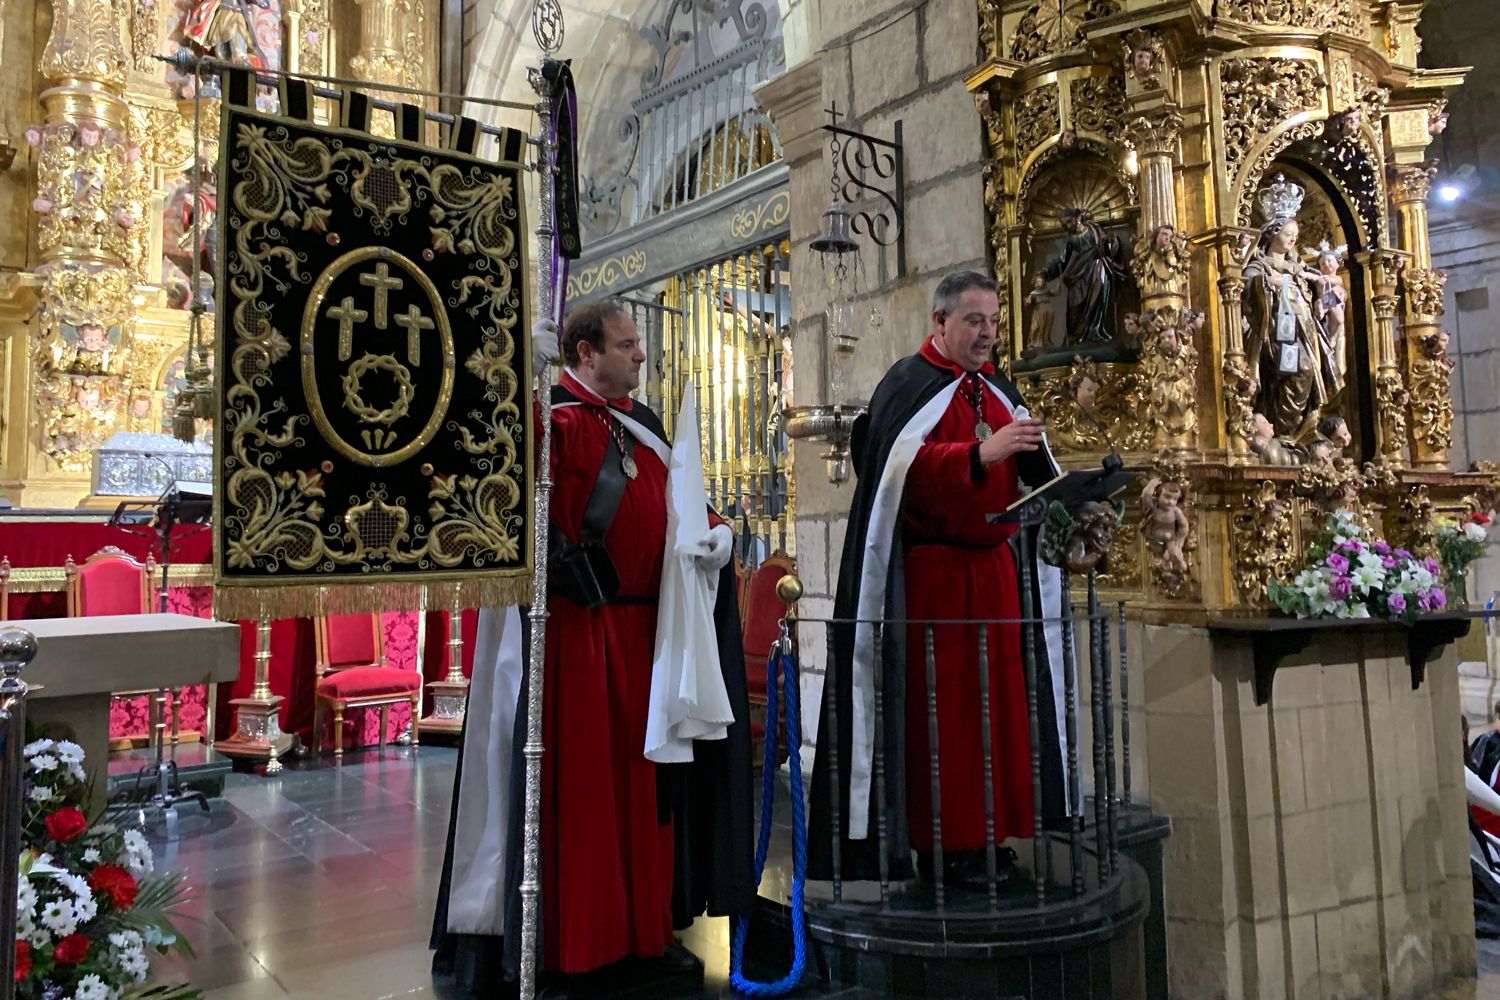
(88, 905)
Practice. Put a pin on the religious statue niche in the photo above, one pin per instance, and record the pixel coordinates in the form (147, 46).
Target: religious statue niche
(244, 32)
(1287, 305)
(177, 241)
(1077, 275)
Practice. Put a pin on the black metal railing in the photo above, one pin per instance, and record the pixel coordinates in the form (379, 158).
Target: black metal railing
(1073, 835)
(17, 647)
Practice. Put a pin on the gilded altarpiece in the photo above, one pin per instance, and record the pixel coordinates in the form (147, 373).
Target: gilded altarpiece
(95, 316)
(1212, 251)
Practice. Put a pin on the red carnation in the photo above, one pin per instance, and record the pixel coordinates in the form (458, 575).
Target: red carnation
(70, 950)
(23, 960)
(65, 824)
(116, 883)
(1479, 518)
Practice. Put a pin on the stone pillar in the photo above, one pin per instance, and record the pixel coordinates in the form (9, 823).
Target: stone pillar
(1424, 355)
(794, 103)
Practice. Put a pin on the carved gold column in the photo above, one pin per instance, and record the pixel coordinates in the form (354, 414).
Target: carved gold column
(1391, 398)
(1424, 356)
(1171, 344)
(390, 48)
(1232, 246)
(90, 196)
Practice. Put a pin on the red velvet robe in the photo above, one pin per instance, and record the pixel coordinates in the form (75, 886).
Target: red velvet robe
(957, 566)
(606, 860)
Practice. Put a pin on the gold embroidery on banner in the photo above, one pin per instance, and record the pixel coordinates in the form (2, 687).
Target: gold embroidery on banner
(275, 521)
(377, 451)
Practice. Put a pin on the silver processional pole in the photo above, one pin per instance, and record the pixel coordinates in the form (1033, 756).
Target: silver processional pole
(546, 24)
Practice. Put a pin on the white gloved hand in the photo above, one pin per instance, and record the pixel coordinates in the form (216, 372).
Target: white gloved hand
(545, 347)
(720, 546)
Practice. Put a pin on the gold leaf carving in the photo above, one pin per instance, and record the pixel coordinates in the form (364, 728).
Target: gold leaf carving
(1056, 26)
(1424, 290)
(1431, 400)
(1098, 104)
(1261, 542)
(85, 42)
(1346, 16)
(1037, 118)
(1259, 94)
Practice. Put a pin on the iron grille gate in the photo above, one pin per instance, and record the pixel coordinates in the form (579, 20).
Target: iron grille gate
(724, 325)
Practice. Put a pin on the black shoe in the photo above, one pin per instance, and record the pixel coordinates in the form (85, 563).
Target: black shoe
(678, 959)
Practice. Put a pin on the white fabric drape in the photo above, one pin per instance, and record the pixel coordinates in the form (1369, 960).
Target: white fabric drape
(688, 698)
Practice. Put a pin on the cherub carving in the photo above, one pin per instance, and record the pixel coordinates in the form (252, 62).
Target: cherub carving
(1161, 261)
(1334, 430)
(1343, 126)
(1144, 57)
(1267, 446)
(1164, 522)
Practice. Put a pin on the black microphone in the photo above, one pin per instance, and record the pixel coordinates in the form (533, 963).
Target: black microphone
(1112, 462)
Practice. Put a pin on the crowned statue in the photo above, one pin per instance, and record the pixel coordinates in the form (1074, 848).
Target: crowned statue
(1298, 369)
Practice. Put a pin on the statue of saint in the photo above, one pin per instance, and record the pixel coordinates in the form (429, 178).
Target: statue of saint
(1039, 328)
(1092, 273)
(1283, 338)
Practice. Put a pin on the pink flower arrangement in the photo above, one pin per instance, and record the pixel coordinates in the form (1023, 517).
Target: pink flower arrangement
(1349, 574)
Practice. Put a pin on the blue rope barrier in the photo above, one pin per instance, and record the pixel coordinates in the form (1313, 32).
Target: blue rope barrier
(780, 662)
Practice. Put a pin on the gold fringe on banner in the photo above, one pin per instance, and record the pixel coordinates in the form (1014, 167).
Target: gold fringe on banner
(259, 602)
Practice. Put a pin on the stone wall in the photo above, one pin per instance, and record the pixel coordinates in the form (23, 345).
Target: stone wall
(1318, 842)
(880, 61)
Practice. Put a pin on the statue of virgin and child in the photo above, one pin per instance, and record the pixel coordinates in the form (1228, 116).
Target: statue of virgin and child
(1293, 341)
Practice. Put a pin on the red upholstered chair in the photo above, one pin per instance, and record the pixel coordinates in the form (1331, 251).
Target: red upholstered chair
(351, 673)
(763, 613)
(112, 582)
(109, 582)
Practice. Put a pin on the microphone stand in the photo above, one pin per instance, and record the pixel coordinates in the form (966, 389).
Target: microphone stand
(168, 785)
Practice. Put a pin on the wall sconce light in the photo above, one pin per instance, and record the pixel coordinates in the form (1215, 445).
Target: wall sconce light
(862, 165)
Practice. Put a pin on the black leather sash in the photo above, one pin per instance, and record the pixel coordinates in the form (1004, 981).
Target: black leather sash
(582, 571)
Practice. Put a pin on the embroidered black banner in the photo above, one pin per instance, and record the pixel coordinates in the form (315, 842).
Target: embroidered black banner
(375, 429)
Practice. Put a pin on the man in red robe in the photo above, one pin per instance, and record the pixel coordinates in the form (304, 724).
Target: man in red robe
(627, 853)
(945, 443)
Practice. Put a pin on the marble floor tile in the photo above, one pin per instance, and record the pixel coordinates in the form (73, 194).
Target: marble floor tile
(320, 883)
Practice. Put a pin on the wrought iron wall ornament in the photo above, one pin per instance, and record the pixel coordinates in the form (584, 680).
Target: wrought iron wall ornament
(879, 210)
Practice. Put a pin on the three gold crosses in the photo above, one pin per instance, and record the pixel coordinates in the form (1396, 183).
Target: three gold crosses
(383, 282)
